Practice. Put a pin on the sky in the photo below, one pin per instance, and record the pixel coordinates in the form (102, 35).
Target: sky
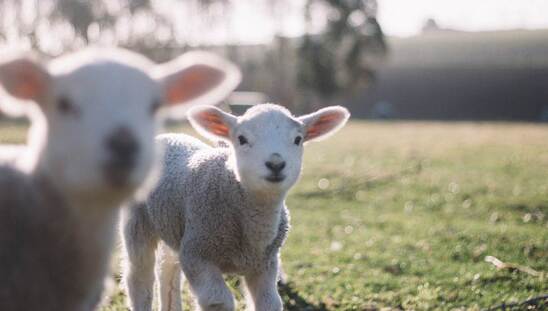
(406, 17)
(399, 17)
(253, 21)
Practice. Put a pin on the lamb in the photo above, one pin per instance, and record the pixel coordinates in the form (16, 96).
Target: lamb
(220, 210)
(11, 154)
(94, 118)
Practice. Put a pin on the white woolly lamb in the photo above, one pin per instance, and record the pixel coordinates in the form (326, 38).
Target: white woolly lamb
(92, 146)
(221, 210)
(11, 154)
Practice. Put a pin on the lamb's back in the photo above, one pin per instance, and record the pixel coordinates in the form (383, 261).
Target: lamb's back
(191, 169)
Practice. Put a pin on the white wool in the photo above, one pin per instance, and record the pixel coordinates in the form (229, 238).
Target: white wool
(219, 210)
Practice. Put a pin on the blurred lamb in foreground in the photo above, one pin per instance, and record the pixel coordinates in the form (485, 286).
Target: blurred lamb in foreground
(11, 154)
(222, 210)
(90, 149)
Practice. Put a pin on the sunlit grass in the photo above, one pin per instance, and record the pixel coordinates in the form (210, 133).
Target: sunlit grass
(402, 215)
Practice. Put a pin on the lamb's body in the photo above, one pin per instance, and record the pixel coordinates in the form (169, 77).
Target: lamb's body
(222, 210)
(199, 199)
(201, 211)
(61, 256)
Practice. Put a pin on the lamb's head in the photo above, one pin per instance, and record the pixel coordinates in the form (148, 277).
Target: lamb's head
(100, 111)
(267, 140)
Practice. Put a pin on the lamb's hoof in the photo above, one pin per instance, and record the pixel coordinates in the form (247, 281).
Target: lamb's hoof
(219, 307)
(282, 278)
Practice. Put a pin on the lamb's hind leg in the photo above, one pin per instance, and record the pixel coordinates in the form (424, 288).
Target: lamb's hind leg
(140, 244)
(168, 274)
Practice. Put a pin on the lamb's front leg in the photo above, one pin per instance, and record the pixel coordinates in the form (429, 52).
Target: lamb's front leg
(140, 244)
(262, 289)
(168, 274)
(206, 283)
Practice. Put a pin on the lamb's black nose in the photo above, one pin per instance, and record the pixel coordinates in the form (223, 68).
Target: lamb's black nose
(276, 164)
(123, 147)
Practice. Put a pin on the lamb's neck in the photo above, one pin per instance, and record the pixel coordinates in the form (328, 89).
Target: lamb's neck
(96, 226)
(260, 210)
(98, 223)
(261, 214)
(92, 221)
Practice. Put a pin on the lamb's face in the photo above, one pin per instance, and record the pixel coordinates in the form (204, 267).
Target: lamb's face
(268, 145)
(267, 140)
(100, 112)
(101, 120)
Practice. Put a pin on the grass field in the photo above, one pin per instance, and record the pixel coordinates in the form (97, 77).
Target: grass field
(402, 215)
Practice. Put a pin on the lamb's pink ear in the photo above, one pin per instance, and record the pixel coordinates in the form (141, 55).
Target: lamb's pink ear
(24, 79)
(197, 78)
(324, 122)
(212, 122)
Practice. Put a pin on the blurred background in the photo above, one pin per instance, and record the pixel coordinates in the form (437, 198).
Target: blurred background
(434, 196)
(419, 59)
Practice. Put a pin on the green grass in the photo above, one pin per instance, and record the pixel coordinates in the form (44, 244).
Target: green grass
(402, 215)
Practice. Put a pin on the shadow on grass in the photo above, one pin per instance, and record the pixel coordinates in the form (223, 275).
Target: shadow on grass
(295, 302)
(536, 303)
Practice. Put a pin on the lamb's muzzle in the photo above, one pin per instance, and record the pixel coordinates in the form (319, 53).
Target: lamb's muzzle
(123, 149)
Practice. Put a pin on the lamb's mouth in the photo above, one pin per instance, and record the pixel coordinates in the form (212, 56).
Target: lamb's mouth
(275, 178)
(118, 174)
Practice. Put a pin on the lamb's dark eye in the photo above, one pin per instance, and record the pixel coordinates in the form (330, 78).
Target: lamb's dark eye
(242, 140)
(155, 106)
(66, 106)
(298, 140)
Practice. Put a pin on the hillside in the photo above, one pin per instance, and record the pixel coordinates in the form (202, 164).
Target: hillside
(462, 76)
(504, 49)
